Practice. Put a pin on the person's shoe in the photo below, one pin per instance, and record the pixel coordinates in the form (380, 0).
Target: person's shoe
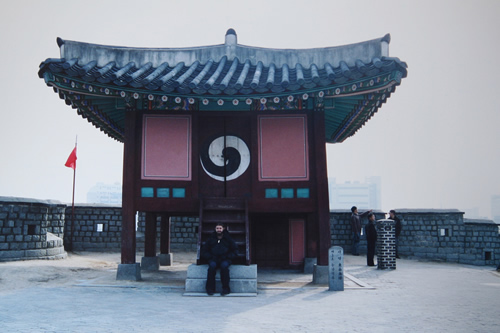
(397, 257)
(210, 292)
(355, 254)
(225, 292)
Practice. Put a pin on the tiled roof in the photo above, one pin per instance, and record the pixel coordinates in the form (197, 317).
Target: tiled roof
(88, 76)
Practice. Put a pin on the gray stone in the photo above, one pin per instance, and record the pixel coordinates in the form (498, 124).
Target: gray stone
(243, 279)
(36, 253)
(237, 286)
(320, 274)
(237, 271)
(150, 263)
(309, 265)
(55, 251)
(166, 259)
(336, 269)
(131, 272)
(11, 254)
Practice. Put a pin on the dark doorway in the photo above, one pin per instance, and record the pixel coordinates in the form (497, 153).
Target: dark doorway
(270, 241)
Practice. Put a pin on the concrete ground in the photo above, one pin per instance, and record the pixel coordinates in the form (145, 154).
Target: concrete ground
(81, 294)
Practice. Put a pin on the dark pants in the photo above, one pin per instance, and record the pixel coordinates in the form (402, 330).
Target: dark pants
(355, 243)
(370, 253)
(224, 274)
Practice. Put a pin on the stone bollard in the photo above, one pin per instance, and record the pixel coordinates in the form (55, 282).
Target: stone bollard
(336, 268)
(386, 244)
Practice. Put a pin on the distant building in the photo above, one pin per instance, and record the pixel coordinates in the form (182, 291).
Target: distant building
(366, 195)
(105, 193)
(495, 208)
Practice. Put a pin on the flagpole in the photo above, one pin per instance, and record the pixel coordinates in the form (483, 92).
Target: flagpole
(73, 203)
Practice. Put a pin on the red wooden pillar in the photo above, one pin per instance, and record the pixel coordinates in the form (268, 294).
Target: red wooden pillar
(323, 209)
(165, 234)
(150, 235)
(312, 236)
(128, 191)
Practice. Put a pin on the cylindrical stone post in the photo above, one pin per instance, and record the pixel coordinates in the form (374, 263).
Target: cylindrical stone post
(336, 268)
(386, 244)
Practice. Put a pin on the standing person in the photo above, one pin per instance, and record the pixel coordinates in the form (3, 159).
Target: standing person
(371, 239)
(356, 228)
(399, 227)
(219, 249)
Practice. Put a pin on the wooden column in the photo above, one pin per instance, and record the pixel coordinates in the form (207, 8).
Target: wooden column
(150, 235)
(312, 236)
(323, 209)
(165, 234)
(128, 191)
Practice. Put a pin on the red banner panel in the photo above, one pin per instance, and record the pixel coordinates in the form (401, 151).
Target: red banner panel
(166, 147)
(283, 152)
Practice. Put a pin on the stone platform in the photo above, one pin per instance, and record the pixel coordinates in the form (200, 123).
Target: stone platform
(243, 280)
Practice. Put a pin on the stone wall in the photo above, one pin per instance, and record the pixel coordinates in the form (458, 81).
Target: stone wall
(31, 229)
(432, 234)
(341, 231)
(96, 227)
(183, 233)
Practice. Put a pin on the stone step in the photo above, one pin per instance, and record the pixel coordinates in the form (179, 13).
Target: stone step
(237, 271)
(243, 279)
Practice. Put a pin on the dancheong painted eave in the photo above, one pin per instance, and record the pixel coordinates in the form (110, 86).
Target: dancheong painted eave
(348, 82)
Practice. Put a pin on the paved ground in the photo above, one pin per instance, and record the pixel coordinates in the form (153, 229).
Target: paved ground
(80, 294)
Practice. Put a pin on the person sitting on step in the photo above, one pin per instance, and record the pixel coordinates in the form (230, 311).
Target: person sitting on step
(219, 250)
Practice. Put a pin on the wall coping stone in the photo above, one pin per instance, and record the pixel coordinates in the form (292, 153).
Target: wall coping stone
(31, 201)
(480, 221)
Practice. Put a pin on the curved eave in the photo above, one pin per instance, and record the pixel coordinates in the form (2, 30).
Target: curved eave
(349, 87)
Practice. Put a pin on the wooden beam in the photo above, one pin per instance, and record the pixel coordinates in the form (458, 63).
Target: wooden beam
(128, 242)
(150, 235)
(165, 234)
(323, 209)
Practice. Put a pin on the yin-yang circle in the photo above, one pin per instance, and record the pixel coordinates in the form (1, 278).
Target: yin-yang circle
(225, 157)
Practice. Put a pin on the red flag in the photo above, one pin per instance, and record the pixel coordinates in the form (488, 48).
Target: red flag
(71, 162)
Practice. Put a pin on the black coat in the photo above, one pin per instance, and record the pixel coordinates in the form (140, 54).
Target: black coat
(399, 227)
(225, 249)
(371, 233)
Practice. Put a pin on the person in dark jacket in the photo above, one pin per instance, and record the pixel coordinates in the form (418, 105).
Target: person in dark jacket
(219, 250)
(356, 228)
(399, 227)
(371, 239)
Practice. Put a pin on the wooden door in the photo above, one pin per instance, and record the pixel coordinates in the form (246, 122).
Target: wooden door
(270, 239)
(224, 148)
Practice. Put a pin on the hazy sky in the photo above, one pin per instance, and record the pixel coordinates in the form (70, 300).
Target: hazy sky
(434, 143)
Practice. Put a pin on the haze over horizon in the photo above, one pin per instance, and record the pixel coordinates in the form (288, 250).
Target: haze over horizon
(434, 143)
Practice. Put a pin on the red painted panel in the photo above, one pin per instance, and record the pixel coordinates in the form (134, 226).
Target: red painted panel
(283, 151)
(297, 241)
(166, 147)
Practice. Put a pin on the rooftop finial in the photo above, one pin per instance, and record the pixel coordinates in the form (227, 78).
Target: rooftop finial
(231, 38)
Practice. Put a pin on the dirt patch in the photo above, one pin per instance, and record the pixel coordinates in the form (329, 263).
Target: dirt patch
(81, 268)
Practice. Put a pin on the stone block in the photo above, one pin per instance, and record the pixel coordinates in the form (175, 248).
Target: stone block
(236, 271)
(150, 263)
(55, 251)
(11, 254)
(166, 259)
(320, 274)
(309, 265)
(130, 272)
(238, 286)
(36, 253)
(243, 279)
